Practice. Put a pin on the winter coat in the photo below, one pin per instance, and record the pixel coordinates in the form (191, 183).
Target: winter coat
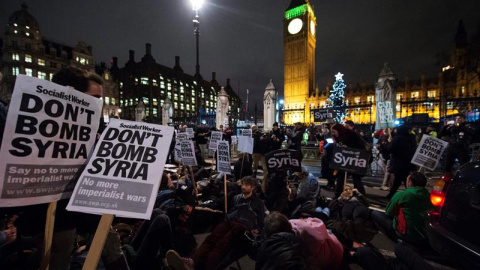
(280, 251)
(402, 148)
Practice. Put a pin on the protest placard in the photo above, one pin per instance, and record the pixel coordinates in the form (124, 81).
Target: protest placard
(178, 151)
(214, 139)
(49, 133)
(245, 144)
(322, 115)
(350, 160)
(246, 132)
(188, 153)
(182, 136)
(284, 159)
(234, 140)
(223, 157)
(386, 117)
(429, 152)
(123, 175)
(190, 133)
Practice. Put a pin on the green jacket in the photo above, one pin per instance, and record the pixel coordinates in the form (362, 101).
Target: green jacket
(408, 210)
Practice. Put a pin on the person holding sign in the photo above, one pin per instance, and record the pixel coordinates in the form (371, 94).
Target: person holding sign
(32, 220)
(348, 138)
(460, 135)
(402, 149)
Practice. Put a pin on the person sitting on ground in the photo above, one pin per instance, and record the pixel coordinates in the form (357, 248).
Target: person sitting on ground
(307, 192)
(355, 206)
(404, 216)
(243, 166)
(320, 248)
(246, 214)
(276, 196)
(281, 248)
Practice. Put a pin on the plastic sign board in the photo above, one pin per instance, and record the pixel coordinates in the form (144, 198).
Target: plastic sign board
(245, 144)
(385, 114)
(182, 136)
(188, 153)
(322, 115)
(124, 173)
(215, 137)
(49, 133)
(429, 152)
(223, 158)
(284, 159)
(350, 160)
(190, 133)
(247, 132)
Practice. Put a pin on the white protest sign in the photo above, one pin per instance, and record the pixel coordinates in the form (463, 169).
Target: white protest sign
(123, 175)
(234, 140)
(182, 136)
(429, 152)
(188, 153)
(246, 132)
(49, 133)
(223, 157)
(190, 133)
(178, 151)
(245, 144)
(214, 139)
(385, 114)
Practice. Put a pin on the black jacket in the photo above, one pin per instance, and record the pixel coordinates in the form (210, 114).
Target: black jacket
(280, 251)
(402, 148)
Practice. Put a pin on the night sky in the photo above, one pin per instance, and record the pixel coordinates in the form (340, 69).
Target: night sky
(243, 39)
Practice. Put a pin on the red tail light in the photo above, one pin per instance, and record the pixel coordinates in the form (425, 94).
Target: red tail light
(437, 197)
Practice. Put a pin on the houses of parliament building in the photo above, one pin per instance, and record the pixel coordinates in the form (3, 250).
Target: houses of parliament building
(456, 89)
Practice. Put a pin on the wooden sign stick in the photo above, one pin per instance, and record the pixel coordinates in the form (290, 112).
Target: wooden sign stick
(48, 236)
(225, 192)
(98, 242)
(345, 180)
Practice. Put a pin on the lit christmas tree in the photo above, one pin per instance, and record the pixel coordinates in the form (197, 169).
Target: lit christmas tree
(335, 100)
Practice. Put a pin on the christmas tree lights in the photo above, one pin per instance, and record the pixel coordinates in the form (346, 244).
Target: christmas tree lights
(336, 98)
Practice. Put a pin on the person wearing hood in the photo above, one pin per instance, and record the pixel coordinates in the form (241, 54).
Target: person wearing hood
(402, 148)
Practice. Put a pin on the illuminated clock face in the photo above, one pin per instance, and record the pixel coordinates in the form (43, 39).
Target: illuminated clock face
(295, 26)
(312, 27)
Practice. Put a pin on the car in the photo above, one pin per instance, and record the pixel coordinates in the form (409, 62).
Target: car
(453, 226)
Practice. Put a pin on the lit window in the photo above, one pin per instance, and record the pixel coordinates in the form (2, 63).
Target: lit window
(15, 71)
(107, 100)
(107, 76)
(42, 75)
(29, 72)
(193, 100)
(203, 95)
(169, 86)
(27, 34)
(136, 81)
(162, 92)
(15, 24)
(145, 101)
(15, 57)
(154, 82)
(155, 102)
(144, 80)
(175, 105)
(463, 90)
(357, 99)
(181, 106)
(175, 97)
(181, 90)
(181, 98)
(188, 107)
(371, 98)
(28, 27)
(431, 94)
(113, 101)
(28, 58)
(41, 62)
(414, 94)
(50, 76)
(399, 96)
(162, 84)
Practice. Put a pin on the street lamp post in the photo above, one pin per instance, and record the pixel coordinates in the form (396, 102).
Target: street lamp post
(196, 5)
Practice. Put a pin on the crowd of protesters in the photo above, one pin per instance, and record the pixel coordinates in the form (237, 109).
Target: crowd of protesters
(280, 219)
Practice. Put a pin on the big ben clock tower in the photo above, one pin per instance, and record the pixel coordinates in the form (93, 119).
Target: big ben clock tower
(299, 51)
